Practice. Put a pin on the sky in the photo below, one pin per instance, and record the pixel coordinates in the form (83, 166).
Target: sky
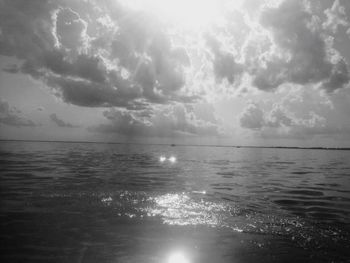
(246, 72)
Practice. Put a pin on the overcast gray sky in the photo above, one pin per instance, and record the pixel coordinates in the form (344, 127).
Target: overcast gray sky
(245, 72)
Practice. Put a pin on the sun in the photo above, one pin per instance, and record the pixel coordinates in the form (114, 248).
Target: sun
(191, 14)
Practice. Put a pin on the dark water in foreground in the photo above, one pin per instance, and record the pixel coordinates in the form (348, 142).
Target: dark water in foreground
(78, 202)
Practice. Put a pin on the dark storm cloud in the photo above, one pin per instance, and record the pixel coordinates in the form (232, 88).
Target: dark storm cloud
(89, 94)
(60, 122)
(141, 47)
(26, 28)
(12, 116)
(125, 123)
(224, 64)
(172, 121)
(298, 33)
(84, 66)
(126, 62)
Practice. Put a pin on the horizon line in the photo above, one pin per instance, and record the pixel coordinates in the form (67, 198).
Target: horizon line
(173, 144)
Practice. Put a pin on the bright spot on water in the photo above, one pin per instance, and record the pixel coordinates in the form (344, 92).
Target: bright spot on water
(200, 192)
(107, 199)
(172, 159)
(177, 257)
(181, 209)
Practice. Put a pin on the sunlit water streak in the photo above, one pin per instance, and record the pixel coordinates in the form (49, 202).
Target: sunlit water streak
(60, 202)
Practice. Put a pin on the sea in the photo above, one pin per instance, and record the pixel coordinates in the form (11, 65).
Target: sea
(130, 203)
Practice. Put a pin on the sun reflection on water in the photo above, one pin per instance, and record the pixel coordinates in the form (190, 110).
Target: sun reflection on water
(177, 257)
(181, 209)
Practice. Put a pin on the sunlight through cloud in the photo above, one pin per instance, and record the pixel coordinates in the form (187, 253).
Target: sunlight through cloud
(184, 13)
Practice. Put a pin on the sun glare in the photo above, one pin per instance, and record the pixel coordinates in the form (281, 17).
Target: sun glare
(177, 257)
(185, 13)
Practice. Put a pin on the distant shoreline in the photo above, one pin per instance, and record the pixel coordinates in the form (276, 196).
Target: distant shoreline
(190, 145)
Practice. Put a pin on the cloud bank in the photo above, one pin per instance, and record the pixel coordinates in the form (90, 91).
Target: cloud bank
(61, 123)
(301, 114)
(172, 121)
(147, 74)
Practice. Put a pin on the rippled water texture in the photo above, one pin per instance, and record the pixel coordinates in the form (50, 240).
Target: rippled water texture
(82, 202)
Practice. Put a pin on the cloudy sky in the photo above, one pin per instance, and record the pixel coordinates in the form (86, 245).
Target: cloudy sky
(246, 72)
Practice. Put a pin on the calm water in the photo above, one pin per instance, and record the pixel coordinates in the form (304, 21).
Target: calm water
(79, 202)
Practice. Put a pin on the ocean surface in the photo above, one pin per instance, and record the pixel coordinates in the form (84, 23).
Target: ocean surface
(87, 202)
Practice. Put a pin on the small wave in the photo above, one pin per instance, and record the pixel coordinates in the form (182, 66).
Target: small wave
(305, 192)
